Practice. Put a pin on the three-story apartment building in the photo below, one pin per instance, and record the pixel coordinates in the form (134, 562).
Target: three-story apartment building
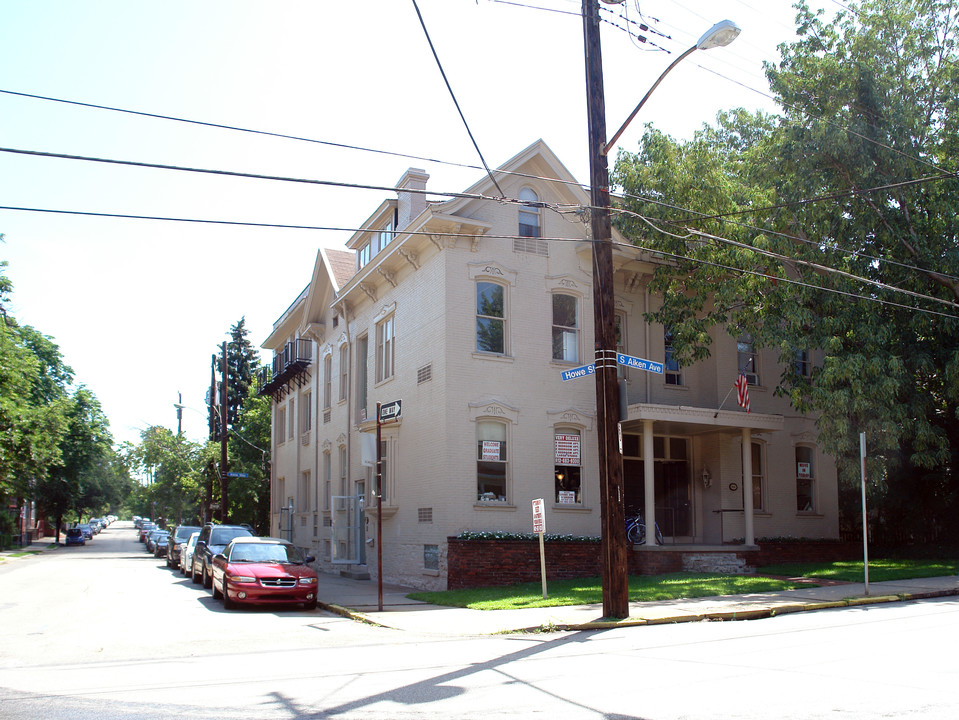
(468, 311)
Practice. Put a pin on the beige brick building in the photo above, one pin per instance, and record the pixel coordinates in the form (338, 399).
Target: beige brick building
(468, 311)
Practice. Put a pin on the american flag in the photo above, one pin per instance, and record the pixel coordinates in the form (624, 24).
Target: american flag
(742, 391)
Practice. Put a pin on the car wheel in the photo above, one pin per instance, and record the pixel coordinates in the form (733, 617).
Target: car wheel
(311, 605)
(217, 595)
(207, 580)
(227, 603)
(194, 577)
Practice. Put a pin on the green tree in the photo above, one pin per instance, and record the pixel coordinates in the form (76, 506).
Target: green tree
(242, 360)
(855, 175)
(173, 466)
(76, 482)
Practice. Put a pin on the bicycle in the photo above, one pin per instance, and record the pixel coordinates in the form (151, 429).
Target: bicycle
(636, 530)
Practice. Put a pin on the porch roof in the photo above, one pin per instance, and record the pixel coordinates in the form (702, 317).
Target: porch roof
(686, 420)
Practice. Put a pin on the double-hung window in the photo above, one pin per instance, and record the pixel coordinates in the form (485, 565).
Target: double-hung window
(565, 328)
(385, 345)
(568, 466)
(344, 370)
(490, 317)
(746, 358)
(529, 214)
(758, 477)
(671, 370)
(363, 256)
(491, 461)
(327, 381)
(805, 479)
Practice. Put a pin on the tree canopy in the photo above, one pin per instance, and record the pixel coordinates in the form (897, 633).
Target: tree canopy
(830, 226)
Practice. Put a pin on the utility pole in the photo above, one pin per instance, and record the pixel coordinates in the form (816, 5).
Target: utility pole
(612, 515)
(208, 500)
(179, 413)
(224, 437)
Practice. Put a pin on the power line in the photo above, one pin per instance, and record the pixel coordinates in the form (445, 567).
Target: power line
(256, 176)
(453, 95)
(776, 233)
(788, 281)
(806, 263)
(468, 236)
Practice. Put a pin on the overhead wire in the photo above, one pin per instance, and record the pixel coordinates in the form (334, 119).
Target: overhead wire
(453, 95)
(630, 245)
(332, 183)
(775, 233)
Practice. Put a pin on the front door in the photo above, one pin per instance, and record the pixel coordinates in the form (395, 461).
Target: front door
(673, 498)
(673, 494)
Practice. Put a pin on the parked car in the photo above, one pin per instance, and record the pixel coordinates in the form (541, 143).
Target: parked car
(260, 571)
(160, 544)
(213, 538)
(152, 538)
(86, 530)
(145, 528)
(178, 538)
(75, 536)
(186, 554)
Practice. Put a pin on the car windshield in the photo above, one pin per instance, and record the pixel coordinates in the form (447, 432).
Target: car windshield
(265, 552)
(223, 535)
(182, 533)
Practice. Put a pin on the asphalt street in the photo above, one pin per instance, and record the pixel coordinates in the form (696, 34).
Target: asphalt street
(106, 631)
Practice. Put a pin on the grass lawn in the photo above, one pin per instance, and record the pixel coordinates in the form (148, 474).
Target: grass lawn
(879, 570)
(583, 591)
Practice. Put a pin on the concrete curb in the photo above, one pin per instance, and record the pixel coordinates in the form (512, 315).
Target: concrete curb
(756, 613)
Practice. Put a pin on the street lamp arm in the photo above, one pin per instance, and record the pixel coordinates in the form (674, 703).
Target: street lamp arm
(674, 63)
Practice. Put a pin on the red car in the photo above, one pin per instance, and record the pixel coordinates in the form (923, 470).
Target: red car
(263, 571)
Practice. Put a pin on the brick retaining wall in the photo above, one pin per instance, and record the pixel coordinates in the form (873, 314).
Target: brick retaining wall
(484, 563)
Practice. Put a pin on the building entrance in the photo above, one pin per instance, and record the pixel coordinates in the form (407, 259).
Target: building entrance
(672, 483)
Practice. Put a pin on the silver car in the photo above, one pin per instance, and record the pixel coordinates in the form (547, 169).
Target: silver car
(186, 555)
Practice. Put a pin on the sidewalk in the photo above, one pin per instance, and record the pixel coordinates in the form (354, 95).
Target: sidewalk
(358, 599)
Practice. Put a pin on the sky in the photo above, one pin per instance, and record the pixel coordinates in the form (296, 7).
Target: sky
(138, 307)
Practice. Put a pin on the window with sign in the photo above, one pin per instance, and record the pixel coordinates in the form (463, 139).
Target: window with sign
(491, 461)
(805, 479)
(568, 466)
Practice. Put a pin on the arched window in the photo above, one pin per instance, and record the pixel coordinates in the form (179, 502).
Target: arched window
(528, 215)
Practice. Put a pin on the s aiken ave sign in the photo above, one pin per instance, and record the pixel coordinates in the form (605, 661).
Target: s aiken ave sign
(622, 359)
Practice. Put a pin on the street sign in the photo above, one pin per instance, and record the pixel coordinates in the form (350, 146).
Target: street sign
(638, 363)
(579, 372)
(539, 517)
(391, 410)
(229, 474)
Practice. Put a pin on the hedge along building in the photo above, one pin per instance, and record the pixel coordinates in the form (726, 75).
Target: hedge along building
(468, 311)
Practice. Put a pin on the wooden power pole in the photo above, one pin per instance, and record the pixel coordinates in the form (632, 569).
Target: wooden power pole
(612, 516)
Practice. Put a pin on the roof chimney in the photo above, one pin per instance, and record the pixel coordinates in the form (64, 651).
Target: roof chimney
(410, 204)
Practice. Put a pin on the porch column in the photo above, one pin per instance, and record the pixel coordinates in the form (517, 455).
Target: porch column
(649, 482)
(748, 484)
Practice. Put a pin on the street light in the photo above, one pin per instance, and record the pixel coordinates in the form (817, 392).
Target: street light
(612, 517)
(719, 35)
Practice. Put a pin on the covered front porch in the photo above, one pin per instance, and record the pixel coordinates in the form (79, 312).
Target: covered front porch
(704, 488)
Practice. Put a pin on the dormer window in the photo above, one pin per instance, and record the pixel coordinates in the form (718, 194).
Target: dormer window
(528, 215)
(386, 236)
(363, 256)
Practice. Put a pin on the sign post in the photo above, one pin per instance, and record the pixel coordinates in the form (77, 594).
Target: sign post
(539, 527)
(386, 413)
(865, 530)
